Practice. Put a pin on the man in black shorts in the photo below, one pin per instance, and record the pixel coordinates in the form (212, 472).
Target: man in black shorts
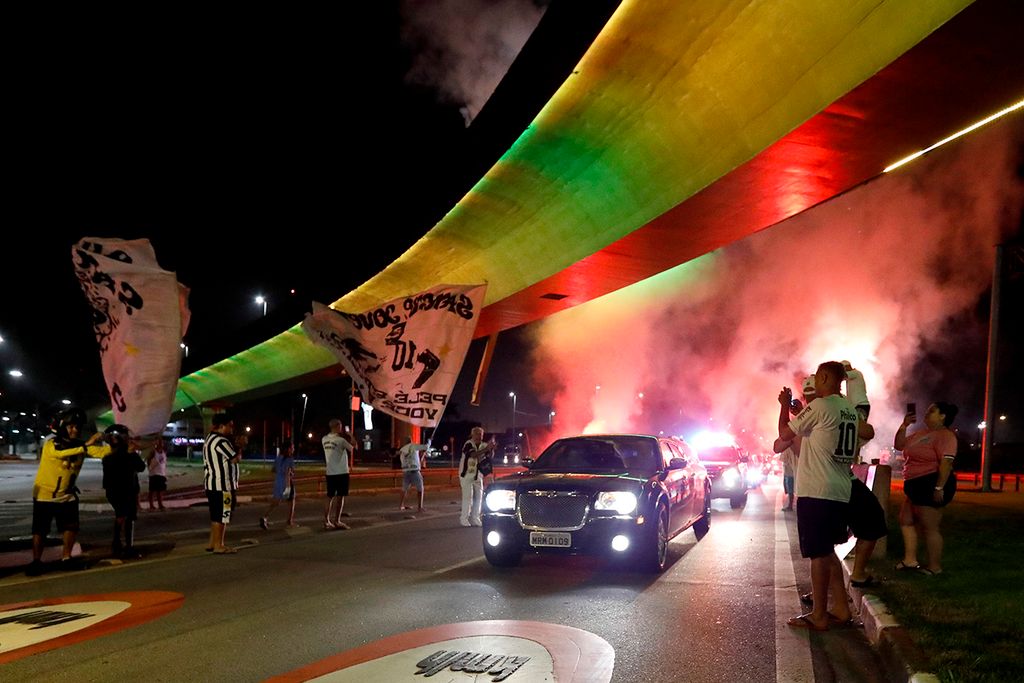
(338, 445)
(121, 482)
(54, 494)
(220, 461)
(830, 427)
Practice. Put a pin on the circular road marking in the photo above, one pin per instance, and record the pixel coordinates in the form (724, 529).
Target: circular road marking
(473, 651)
(27, 628)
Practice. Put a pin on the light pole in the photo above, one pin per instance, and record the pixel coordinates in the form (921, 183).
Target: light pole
(512, 395)
(262, 300)
(551, 418)
(302, 422)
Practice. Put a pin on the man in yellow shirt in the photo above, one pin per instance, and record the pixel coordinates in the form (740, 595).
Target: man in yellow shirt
(54, 496)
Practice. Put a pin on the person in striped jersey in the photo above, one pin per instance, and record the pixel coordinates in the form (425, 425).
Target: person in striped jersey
(220, 462)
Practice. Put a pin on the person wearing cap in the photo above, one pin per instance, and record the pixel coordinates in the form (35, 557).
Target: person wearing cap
(220, 464)
(121, 482)
(830, 427)
(337, 444)
(867, 518)
(54, 495)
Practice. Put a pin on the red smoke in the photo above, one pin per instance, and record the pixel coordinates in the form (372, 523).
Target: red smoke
(873, 276)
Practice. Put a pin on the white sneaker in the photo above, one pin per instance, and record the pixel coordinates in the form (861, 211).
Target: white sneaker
(465, 523)
(476, 522)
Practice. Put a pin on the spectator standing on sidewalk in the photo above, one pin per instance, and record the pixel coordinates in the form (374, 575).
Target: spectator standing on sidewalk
(830, 426)
(220, 465)
(284, 484)
(790, 457)
(157, 463)
(469, 476)
(121, 482)
(338, 444)
(54, 495)
(411, 457)
(928, 483)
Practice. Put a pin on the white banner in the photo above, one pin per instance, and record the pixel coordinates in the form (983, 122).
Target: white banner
(406, 354)
(139, 315)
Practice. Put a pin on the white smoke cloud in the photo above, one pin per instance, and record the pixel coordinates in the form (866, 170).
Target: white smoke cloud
(875, 277)
(466, 46)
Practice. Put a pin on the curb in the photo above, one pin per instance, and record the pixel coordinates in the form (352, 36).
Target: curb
(902, 658)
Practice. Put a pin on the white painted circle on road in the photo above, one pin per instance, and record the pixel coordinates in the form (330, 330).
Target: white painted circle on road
(406, 666)
(32, 625)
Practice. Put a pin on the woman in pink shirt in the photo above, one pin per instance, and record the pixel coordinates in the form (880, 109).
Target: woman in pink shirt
(928, 482)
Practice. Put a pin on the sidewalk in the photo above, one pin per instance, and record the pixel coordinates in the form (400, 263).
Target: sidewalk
(904, 656)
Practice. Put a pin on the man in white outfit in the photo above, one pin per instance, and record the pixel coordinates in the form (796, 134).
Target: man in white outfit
(469, 477)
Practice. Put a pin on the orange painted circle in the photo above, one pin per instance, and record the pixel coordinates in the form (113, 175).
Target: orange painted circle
(576, 655)
(75, 621)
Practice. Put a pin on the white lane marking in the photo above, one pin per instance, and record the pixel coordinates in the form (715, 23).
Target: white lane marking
(459, 565)
(792, 646)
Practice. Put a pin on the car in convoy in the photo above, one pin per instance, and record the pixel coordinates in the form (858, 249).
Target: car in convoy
(511, 455)
(727, 467)
(618, 496)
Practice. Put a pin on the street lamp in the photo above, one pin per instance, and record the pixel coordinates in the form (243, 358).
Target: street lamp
(551, 418)
(302, 422)
(512, 395)
(262, 300)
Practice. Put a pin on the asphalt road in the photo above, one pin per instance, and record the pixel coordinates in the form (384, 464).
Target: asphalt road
(290, 598)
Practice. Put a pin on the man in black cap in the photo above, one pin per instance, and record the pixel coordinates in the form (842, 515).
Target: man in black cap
(121, 481)
(54, 495)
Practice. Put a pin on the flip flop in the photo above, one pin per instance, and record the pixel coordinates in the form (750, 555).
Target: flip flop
(902, 566)
(866, 583)
(225, 551)
(928, 572)
(835, 621)
(804, 621)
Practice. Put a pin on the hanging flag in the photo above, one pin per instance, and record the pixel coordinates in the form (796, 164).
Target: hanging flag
(139, 314)
(405, 355)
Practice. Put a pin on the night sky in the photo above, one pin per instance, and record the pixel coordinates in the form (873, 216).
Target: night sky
(258, 153)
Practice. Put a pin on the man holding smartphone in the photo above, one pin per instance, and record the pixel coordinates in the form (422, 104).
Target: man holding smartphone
(830, 427)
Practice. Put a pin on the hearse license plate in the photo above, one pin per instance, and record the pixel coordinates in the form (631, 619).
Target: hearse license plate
(550, 539)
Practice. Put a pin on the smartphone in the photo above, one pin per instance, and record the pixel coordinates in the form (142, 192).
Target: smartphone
(912, 408)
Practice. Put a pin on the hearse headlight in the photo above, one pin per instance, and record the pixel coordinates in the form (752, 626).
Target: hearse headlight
(621, 502)
(501, 499)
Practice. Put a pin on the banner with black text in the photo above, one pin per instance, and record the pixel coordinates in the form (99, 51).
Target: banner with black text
(139, 315)
(406, 354)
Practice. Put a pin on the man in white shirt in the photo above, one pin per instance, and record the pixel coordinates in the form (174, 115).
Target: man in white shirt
(830, 427)
(337, 446)
(469, 477)
(411, 456)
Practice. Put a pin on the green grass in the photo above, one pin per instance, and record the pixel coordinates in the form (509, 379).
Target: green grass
(969, 620)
